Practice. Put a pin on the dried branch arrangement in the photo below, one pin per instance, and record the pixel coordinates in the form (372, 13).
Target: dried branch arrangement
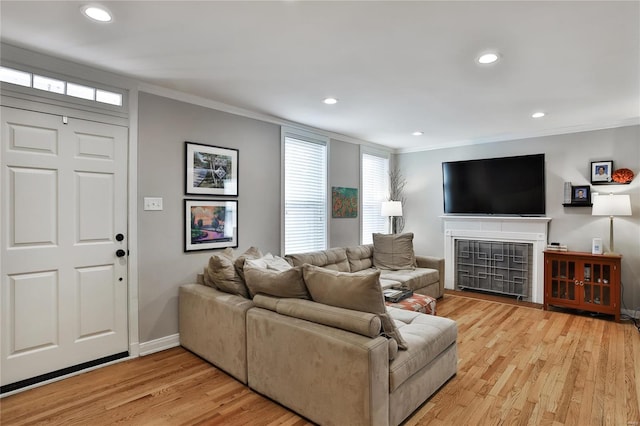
(397, 183)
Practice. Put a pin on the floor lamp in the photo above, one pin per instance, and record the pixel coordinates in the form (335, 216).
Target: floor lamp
(391, 209)
(611, 205)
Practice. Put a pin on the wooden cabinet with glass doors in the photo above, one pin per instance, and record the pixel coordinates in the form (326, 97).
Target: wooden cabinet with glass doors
(584, 281)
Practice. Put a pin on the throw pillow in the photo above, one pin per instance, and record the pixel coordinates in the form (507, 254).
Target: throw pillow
(278, 263)
(360, 291)
(258, 263)
(251, 253)
(288, 283)
(223, 274)
(393, 251)
(269, 261)
(205, 276)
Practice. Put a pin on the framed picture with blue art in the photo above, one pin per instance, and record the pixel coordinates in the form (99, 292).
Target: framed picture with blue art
(210, 224)
(601, 172)
(211, 170)
(581, 194)
(344, 202)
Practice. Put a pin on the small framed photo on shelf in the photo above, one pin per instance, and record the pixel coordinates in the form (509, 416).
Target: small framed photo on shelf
(581, 194)
(601, 172)
(210, 224)
(211, 170)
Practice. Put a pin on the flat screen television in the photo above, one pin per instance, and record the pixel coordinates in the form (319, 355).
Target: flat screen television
(495, 186)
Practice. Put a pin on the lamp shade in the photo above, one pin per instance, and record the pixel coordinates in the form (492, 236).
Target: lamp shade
(611, 205)
(391, 208)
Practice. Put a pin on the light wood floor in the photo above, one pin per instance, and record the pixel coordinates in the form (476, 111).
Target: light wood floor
(517, 365)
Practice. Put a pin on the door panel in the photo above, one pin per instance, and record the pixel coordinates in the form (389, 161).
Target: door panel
(32, 139)
(96, 301)
(35, 226)
(64, 198)
(35, 323)
(95, 202)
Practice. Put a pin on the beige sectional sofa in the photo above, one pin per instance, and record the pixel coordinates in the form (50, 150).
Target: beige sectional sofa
(426, 278)
(331, 364)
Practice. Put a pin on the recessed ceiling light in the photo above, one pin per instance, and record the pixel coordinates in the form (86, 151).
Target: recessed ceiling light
(97, 13)
(330, 101)
(538, 114)
(418, 133)
(488, 58)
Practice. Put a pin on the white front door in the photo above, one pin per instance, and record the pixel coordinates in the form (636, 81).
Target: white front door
(64, 218)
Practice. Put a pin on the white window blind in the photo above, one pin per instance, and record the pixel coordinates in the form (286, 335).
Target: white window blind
(375, 190)
(305, 195)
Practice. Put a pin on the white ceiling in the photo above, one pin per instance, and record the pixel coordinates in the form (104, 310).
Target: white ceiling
(395, 66)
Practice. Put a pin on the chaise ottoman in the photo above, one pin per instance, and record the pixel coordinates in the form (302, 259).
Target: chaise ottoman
(417, 303)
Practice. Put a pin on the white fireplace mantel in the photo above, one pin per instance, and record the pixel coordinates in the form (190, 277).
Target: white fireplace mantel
(532, 230)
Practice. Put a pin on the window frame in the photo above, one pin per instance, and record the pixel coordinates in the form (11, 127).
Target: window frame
(30, 92)
(310, 137)
(364, 150)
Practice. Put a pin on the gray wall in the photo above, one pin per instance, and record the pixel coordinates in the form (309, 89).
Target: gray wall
(568, 158)
(164, 126)
(344, 170)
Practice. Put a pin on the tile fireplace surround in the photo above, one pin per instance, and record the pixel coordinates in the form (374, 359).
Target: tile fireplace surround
(531, 230)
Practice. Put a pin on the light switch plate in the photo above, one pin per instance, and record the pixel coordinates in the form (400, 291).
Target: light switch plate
(152, 203)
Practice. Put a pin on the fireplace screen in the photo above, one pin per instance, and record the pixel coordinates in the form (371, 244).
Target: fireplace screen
(493, 266)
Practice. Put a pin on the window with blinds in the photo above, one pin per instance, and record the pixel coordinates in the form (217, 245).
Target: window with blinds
(375, 190)
(305, 195)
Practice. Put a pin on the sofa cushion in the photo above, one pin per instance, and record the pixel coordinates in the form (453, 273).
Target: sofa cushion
(385, 283)
(427, 336)
(393, 251)
(360, 257)
(388, 283)
(360, 291)
(251, 253)
(288, 283)
(334, 259)
(223, 274)
(412, 279)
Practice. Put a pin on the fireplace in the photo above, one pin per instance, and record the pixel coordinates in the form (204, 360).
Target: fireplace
(491, 254)
(500, 267)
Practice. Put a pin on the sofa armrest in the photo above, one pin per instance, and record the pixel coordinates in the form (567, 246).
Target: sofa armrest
(433, 263)
(213, 325)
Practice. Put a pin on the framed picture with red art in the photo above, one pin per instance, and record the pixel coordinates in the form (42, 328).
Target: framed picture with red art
(210, 224)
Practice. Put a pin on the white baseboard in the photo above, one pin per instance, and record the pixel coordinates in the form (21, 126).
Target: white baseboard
(157, 345)
(630, 313)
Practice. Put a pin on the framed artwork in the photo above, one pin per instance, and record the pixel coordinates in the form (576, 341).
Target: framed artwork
(210, 224)
(581, 194)
(344, 202)
(601, 172)
(211, 170)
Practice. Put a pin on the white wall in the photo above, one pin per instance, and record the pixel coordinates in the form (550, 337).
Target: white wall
(568, 158)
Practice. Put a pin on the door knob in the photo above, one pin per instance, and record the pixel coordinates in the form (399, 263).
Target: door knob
(119, 237)
(120, 253)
